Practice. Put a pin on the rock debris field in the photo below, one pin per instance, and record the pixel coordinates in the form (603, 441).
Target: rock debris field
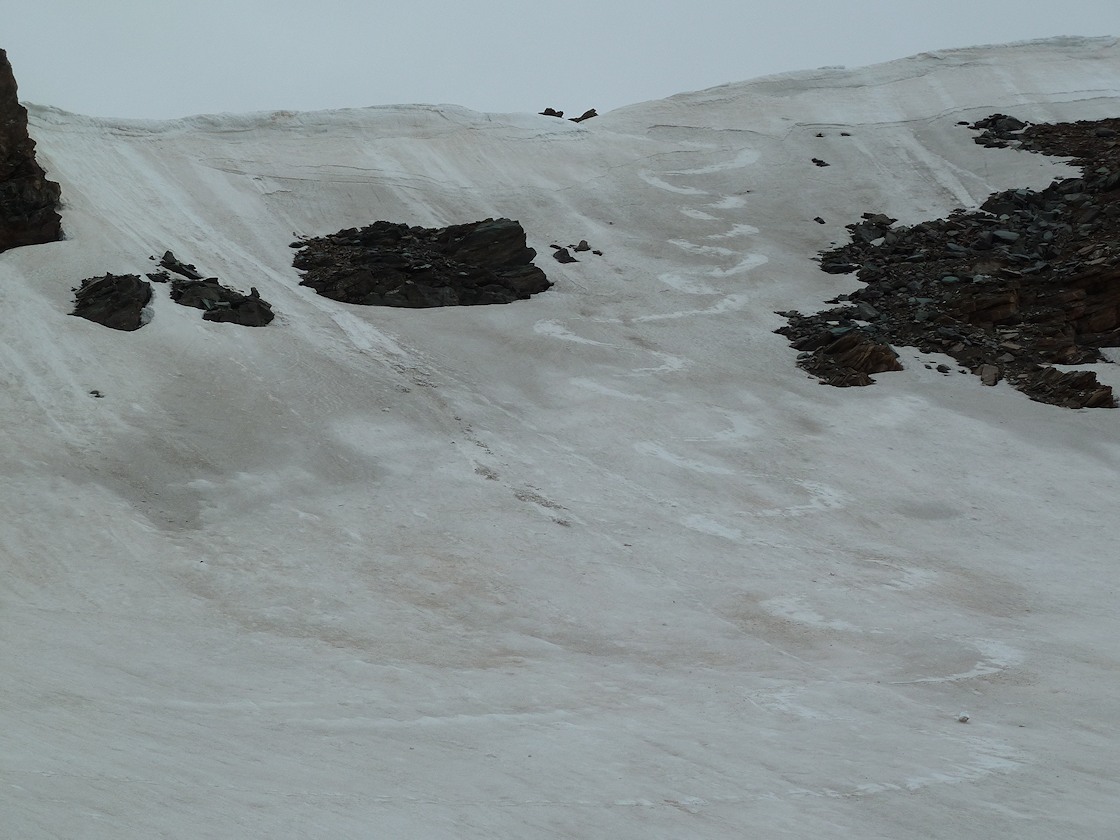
(1028, 282)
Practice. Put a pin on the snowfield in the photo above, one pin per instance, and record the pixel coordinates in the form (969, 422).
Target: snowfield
(603, 563)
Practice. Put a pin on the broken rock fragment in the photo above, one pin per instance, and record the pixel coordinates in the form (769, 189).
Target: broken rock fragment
(172, 263)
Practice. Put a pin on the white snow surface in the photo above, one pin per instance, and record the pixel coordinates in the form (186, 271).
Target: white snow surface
(603, 563)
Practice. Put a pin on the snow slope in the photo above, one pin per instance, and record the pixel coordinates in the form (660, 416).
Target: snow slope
(599, 564)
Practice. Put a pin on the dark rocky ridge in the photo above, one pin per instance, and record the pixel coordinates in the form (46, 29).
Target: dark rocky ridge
(28, 201)
(1027, 281)
(390, 264)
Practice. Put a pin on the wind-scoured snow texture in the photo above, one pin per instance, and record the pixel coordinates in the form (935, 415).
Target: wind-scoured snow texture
(605, 564)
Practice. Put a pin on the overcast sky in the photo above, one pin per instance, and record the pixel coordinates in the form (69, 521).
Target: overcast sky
(169, 58)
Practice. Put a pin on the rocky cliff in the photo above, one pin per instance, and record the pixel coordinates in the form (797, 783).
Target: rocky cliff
(27, 199)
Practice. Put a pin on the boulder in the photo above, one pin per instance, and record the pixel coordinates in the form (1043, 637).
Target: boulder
(221, 303)
(392, 264)
(28, 201)
(840, 356)
(116, 300)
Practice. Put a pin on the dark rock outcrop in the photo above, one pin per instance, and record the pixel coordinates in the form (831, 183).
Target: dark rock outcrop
(118, 301)
(221, 303)
(997, 131)
(115, 300)
(1028, 281)
(839, 355)
(391, 264)
(173, 263)
(28, 201)
(586, 115)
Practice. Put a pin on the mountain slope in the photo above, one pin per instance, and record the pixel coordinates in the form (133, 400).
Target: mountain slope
(600, 562)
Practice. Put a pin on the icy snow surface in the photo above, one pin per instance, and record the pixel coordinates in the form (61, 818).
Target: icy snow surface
(603, 563)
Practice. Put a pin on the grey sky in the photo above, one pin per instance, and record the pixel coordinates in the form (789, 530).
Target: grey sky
(169, 58)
